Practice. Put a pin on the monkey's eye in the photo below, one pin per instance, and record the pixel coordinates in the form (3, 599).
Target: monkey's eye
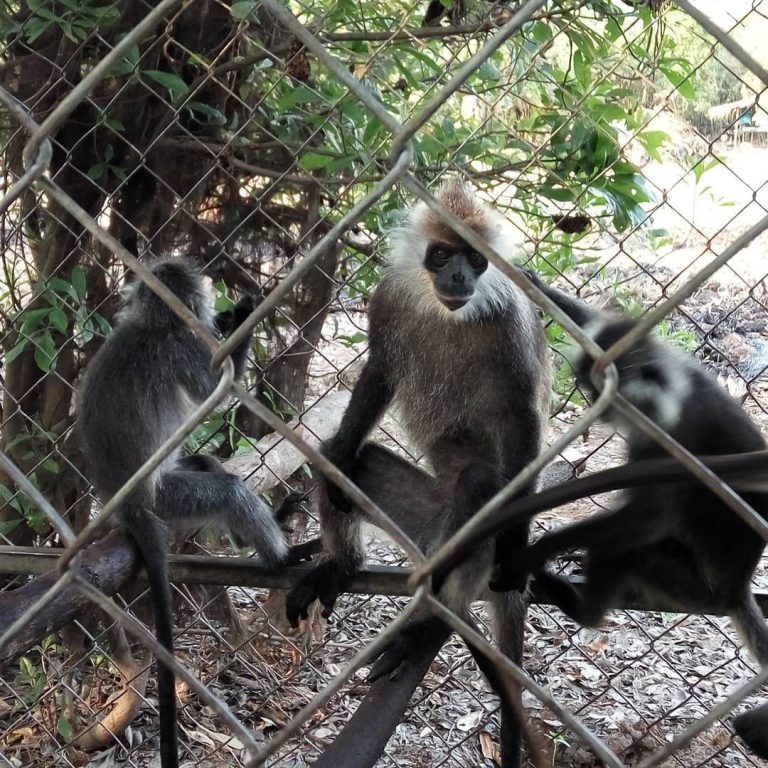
(437, 258)
(652, 373)
(476, 260)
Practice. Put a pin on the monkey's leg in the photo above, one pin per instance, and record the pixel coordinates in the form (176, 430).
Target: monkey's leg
(753, 729)
(631, 527)
(475, 485)
(587, 603)
(753, 726)
(340, 534)
(509, 627)
(405, 492)
(199, 498)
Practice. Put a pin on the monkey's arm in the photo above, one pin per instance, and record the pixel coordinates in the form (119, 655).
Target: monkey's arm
(230, 321)
(579, 311)
(370, 398)
(521, 442)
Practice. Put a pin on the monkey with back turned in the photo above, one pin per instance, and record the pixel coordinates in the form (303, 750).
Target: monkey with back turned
(139, 388)
(460, 351)
(678, 541)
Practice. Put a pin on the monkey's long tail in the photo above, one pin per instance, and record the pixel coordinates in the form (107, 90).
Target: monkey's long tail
(750, 624)
(150, 536)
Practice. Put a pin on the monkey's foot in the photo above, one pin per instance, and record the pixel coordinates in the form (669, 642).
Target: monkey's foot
(325, 583)
(291, 506)
(753, 729)
(397, 655)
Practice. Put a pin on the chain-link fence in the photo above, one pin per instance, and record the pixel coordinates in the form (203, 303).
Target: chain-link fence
(274, 146)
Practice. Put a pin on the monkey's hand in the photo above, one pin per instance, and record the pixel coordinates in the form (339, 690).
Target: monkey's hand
(242, 309)
(226, 322)
(325, 583)
(531, 275)
(291, 506)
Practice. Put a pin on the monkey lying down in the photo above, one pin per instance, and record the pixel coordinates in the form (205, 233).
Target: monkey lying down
(677, 541)
(139, 388)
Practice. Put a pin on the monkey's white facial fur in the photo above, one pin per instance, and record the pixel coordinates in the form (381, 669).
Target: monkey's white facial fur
(440, 271)
(651, 376)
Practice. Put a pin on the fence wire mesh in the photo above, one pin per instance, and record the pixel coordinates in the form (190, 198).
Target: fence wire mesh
(274, 146)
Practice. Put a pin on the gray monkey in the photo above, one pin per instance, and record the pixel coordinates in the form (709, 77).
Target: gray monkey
(138, 389)
(460, 351)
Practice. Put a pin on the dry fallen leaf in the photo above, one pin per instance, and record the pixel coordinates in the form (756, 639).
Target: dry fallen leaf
(490, 749)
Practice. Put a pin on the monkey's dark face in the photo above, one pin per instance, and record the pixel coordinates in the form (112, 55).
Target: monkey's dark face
(455, 269)
(645, 375)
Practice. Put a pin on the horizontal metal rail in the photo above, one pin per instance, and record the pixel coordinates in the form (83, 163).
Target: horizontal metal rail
(245, 572)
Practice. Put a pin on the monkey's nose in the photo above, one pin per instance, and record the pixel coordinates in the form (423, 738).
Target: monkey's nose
(458, 277)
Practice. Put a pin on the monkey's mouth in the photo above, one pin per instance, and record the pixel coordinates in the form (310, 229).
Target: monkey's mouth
(454, 302)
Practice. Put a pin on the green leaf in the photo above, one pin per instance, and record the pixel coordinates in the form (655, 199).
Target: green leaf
(102, 323)
(175, 85)
(7, 526)
(241, 10)
(489, 71)
(355, 338)
(58, 319)
(223, 304)
(34, 28)
(64, 729)
(16, 350)
(78, 282)
(652, 141)
(95, 172)
(313, 160)
(557, 193)
(127, 64)
(298, 95)
(540, 32)
(45, 352)
(31, 319)
(209, 111)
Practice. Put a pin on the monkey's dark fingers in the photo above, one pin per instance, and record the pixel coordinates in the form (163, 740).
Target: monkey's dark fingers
(753, 729)
(324, 583)
(531, 275)
(304, 551)
(242, 309)
(291, 505)
(394, 658)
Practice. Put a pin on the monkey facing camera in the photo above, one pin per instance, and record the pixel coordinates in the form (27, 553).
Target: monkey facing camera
(143, 383)
(677, 543)
(460, 351)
